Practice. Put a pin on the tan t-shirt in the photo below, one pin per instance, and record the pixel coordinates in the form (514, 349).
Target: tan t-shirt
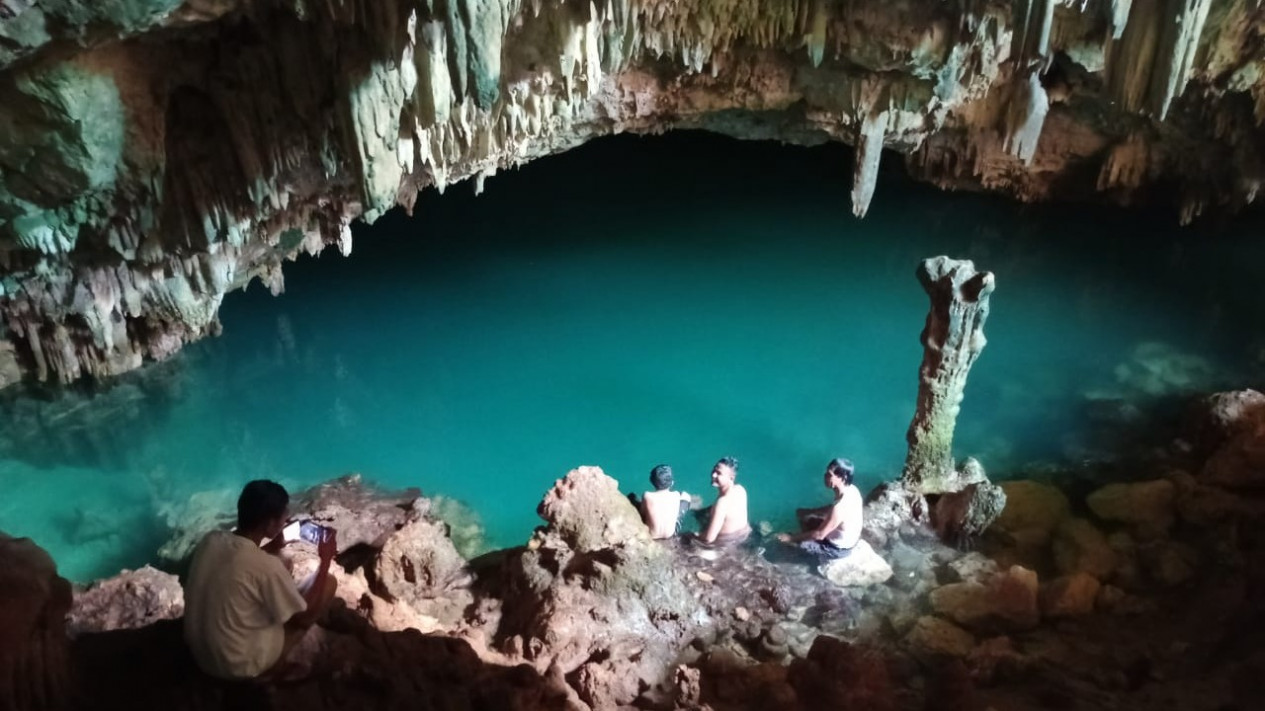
(237, 602)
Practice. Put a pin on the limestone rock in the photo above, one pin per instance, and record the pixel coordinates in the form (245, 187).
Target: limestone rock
(1239, 463)
(593, 596)
(1148, 506)
(933, 639)
(1169, 562)
(1222, 417)
(973, 568)
(1008, 601)
(891, 507)
(1033, 510)
(420, 566)
(1069, 596)
(964, 515)
(128, 600)
(862, 567)
(587, 509)
(362, 514)
(34, 600)
(1080, 547)
(1206, 505)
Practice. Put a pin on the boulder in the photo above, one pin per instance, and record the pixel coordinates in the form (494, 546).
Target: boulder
(1080, 547)
(973, 567)
(963, 515)
(363, 514)
(593, 592)
(1148, 506)
(1206, 505)
(1033, 511)
(862, 567)
(1069, 596)
(1238, 464)
(1221, 417)
(1169, 562)
(933, 640)
(1008, 601)
(128, 600)
(420, 566)
(34, 600)
(891, 507)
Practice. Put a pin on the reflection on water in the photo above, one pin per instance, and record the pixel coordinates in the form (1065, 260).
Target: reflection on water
(634, 302)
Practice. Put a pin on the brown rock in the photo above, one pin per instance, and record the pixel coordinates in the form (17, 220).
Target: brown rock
(587, 509)
(1148, 505)
(420, 565)
(1033, 508)
(1069, 596)
(933, 639)
(128, 600)
(34, 600)
(1080, 547)
(1008, 601)
(1169, 562)
(1224, 416)
(1238, 464)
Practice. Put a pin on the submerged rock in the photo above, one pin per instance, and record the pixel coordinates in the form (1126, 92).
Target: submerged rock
(1033, 510)
(862, 567)
(1069, 596)
(1148, 506)
(1080, 547)
(933, 639)
(128, 600)
(1007, 601)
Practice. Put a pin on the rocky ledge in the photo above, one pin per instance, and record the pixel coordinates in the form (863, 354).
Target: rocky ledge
(155, 154)
(1142, 592)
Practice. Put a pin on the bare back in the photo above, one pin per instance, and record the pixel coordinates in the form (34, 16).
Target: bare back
(661, 510)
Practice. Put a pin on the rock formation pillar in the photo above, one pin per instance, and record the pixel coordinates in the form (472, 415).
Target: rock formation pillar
(34, 601)
(952, 340)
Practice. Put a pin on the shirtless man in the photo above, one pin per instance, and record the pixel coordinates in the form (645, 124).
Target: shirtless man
(661, 509)
(729, 514)
(831, 532)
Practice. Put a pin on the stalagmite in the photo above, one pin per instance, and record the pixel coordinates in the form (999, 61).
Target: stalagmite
(869, 151)
(1025, 117)
(952, 340)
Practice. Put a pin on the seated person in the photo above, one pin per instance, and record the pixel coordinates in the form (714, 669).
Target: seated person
(830, 532)
(662, 508)
(728, 524)
(243, 613)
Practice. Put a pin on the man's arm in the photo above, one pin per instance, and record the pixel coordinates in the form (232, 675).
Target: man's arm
(326, 549)
(719, 511)
(825, 529)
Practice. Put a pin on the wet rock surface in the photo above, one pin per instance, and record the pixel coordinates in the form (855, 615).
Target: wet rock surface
(131, 599)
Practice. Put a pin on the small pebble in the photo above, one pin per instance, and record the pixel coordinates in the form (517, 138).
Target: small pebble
(742, 613)
(705, 577)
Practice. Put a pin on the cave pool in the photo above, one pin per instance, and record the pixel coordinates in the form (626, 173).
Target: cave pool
(636, 301)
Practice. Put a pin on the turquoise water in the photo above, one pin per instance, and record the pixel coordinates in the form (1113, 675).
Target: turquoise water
(633, 302)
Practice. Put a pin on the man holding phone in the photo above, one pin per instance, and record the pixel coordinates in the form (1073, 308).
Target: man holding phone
(243, 612)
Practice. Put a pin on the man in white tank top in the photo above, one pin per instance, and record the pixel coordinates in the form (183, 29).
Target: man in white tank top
(831, 532)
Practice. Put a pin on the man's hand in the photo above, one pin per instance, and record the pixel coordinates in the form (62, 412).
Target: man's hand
(275, 545)
(328, 547)
(784, 537)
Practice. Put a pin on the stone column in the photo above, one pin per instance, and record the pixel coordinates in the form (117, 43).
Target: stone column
(34, 600)
(952, 340)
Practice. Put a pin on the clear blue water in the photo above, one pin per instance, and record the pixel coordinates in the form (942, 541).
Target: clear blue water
(640, 301)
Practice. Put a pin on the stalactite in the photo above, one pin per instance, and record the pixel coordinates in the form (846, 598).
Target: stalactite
(1032, 21)
(1025, 117)
(869, 151)
(1176, 53)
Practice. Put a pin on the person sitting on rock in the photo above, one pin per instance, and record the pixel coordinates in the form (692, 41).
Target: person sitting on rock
(243, 612)
(728, 524)
(830, 532)
(662, 508)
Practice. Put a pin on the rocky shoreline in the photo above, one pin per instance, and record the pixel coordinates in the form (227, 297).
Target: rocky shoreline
(1143, 593)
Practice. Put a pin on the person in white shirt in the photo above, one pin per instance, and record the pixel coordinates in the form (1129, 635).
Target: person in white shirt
(830, 532)
(662, 508)
(243, 612)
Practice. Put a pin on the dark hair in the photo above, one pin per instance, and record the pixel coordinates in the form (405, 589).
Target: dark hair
(841, 468)
(661, 477)
(729, 462)
(261, 501)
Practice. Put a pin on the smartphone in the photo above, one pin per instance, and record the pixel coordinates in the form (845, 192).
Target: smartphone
(305, 531)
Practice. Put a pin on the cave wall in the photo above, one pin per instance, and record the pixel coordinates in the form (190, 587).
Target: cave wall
(155, 154)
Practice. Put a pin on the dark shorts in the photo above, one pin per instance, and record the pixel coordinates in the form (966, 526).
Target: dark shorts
(824, 551)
